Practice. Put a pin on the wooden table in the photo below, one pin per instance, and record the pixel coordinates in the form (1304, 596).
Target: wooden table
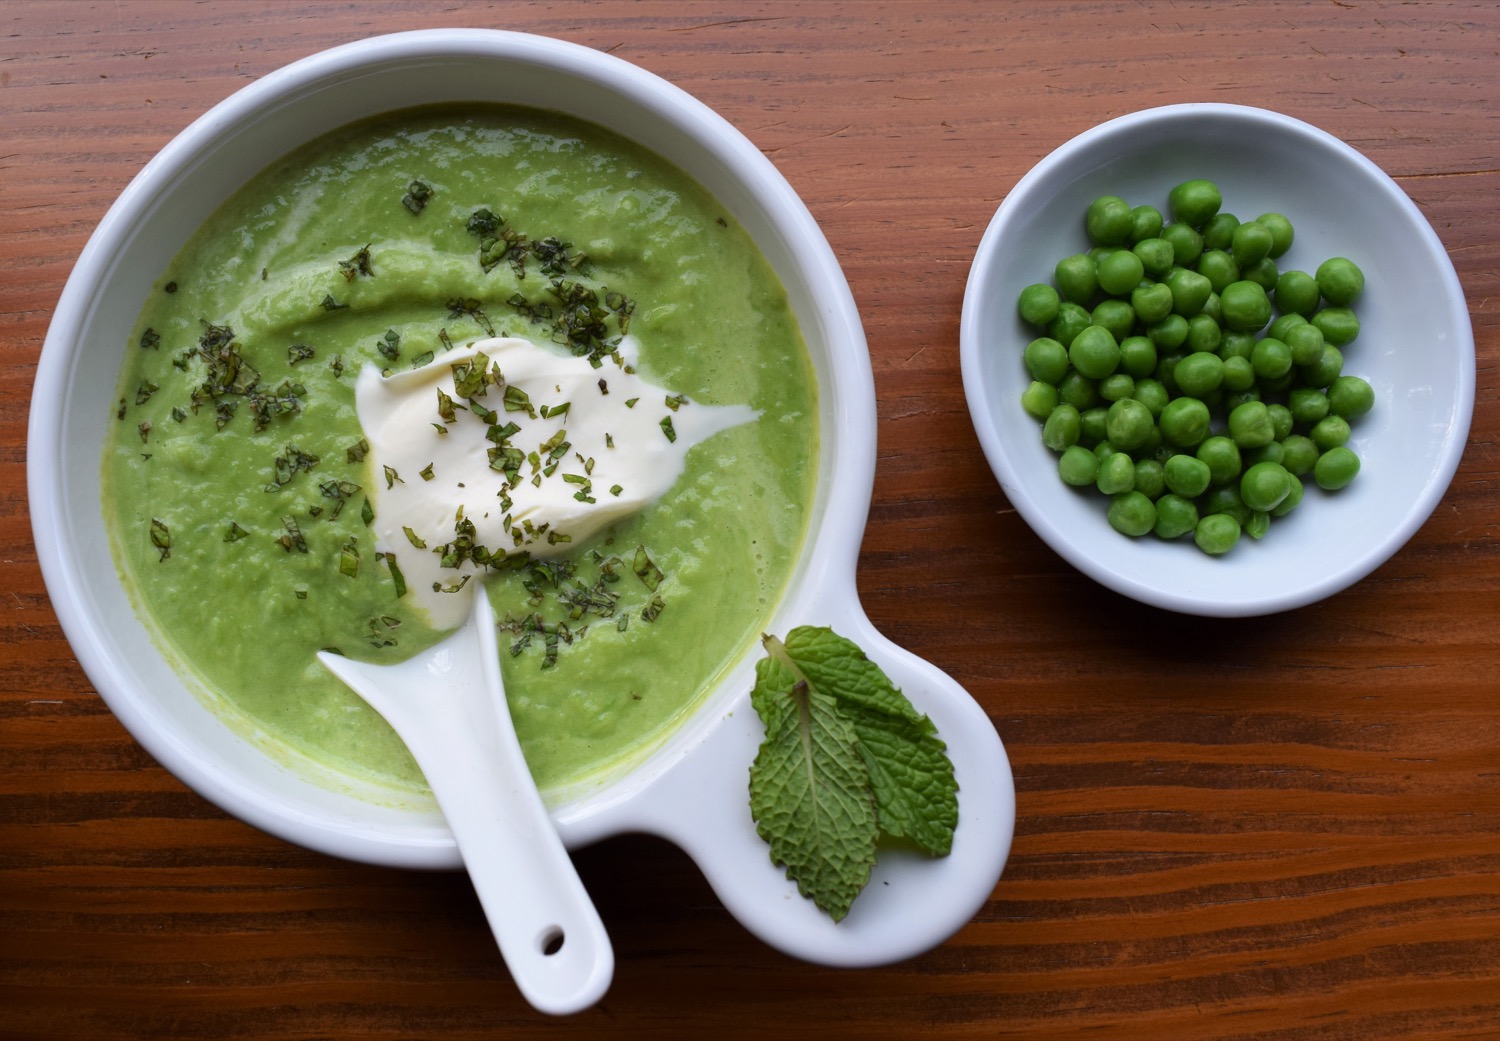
(1278, 828)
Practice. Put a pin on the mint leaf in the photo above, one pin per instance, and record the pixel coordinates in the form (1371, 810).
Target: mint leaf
(810, 789)
(847, 761)
(916, 795)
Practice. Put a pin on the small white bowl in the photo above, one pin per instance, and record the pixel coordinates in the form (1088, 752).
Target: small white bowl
(1416, 348)
(694, 789)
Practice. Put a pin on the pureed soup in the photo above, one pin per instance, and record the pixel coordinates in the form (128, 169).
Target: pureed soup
(238, 485)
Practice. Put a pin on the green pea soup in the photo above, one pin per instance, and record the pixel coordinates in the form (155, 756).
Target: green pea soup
(236, 491)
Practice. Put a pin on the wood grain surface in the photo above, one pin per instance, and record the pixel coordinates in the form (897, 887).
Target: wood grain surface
(1283, 828)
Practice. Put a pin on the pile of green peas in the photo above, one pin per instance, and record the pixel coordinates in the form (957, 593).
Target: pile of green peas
(1181, 373)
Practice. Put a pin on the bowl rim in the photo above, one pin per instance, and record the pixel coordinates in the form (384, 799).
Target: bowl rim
(1013, 479)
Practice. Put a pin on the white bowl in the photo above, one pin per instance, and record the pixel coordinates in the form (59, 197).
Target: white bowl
(693, 790)
(1416, 348)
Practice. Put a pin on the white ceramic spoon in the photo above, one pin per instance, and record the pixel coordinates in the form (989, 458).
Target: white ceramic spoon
(448, 705)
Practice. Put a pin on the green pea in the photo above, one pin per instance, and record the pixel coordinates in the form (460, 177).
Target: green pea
(1340, 281)
(1306, 341)
(1190, 291)
(1169, 333)
(1250, 425)
(1104, 449)
(1109, 220)
(1219, 268)
(1038, 304)
(1186, 243)
(1116, 474)
(1128, 424)
(1077, 466)
(1212, 309)
(1297, 293)
(1046, 360)
(1245, 305)
(1298, 454)
(1116, 385)
(1282, 232)
(1218, 233)
(1131, 513)
(1234, 399)
(1150, 479)
(1350, 397)
(1283, 325)
(1151, 301)
(1264, 485)
(1339, 325)
(1039, 399)
(1154, 443)
(1263, 273)
(1079, 391)
(1281, 420)
(1091, 426)
(1071, 320)
(1157, 255)
(1271, 358)
(1184, 422)
(1175, 516)
(1062, 427)
(1094, 352)
(1225, 498)
(1217, 534)
(1278, 385)
(1166, 368)
(1203, 333)
(1325, 370)
(1294, 496)
(1335, 468)
(1115, 315)
(1251, 242)
(1120, 272)
(1258, 524)
(1222, 457)
(1330, 432)
(1194, 202)
(1267, 453)
(1145, 223)
(1199, 374)
(1238, 374)
(1237, 344)
(1076, 277)
(1186, 475)
(1137, 356)
(1152, 394)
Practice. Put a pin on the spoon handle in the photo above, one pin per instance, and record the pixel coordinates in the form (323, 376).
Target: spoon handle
(449, 707)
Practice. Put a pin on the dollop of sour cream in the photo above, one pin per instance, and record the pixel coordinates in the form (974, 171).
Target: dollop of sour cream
(535, 449)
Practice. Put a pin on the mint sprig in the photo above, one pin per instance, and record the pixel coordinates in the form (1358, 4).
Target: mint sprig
(846, 763)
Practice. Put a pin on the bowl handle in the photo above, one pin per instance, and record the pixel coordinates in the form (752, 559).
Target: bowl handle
(912, 902)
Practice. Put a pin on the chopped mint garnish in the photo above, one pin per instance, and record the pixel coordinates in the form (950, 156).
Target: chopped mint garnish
(417, 194)
(349, 558)
(359, 264)
(397, 578)
(161, 538)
